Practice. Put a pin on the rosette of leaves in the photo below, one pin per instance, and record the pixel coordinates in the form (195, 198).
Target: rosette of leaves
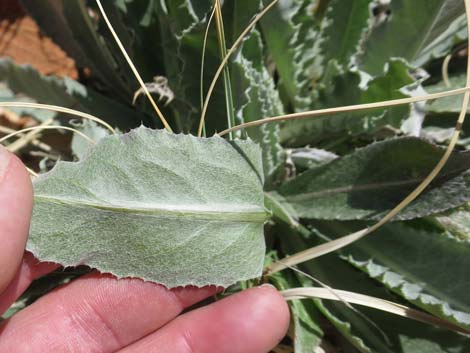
(192, 209)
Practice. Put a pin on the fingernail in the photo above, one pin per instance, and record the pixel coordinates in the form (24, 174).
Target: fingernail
(267, 285)
(5, 157)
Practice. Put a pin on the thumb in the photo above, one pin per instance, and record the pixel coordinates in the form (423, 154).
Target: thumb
(16, 201)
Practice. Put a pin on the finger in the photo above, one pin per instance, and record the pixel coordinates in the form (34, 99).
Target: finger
(16, 202)
(253, 321)
(95, 313)
(30, 269)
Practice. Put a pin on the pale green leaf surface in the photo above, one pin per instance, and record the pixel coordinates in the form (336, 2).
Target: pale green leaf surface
(372, 180)
(307, 157)
(456, 221)
(171, 209)
(80, 147)
(452, 104)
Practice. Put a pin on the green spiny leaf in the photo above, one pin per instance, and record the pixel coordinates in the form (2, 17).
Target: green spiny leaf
(74, 25)
(292, 34)
(341, 87)
(371, 181)
(257, 97)
(409, 258)
(377, 331)
(346, 22)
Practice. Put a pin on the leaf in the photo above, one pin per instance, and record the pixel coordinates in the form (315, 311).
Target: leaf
(182, 26)
(415, 31)
(280, 209)
(456, 221)
(409, 258)
(340, 88)
(369, 182)
(307, 157)
(303, 37)
(171, 209)
(372, 330)
(81, 147)
(292, 34)
(305, 317)
(346, 22)
(256, 97)
(24, 81)
(446, 105)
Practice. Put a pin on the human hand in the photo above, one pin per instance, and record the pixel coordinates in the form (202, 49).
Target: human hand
(99, 313)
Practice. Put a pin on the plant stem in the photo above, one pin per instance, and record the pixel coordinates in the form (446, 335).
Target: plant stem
(223, 53)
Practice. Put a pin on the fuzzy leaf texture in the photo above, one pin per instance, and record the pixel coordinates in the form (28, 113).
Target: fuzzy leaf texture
(371, 181)
(171, 209)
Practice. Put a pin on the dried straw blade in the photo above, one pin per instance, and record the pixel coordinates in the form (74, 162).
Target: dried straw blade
(58, 109)
(346, 109)
(371, 302)
(53, 127)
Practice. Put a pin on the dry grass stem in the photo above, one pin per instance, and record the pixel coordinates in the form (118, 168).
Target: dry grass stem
(35, 142)
(371, 302)
(346, 109)
(24, 140)
(40, 128)
(133, 68)
(58, 109)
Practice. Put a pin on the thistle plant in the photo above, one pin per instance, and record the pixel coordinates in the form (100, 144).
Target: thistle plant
(319, 146)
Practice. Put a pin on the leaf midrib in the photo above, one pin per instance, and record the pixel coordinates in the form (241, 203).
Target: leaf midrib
(254, 215)
(360, 187)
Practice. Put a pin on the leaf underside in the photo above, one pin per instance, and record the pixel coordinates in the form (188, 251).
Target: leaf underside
(172, 209)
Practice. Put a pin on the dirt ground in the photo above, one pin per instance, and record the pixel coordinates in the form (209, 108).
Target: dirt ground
(22, 40)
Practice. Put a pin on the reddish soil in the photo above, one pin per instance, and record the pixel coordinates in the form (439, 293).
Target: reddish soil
(22, 40)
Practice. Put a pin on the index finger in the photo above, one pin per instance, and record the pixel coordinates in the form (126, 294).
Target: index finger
(16, 202)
